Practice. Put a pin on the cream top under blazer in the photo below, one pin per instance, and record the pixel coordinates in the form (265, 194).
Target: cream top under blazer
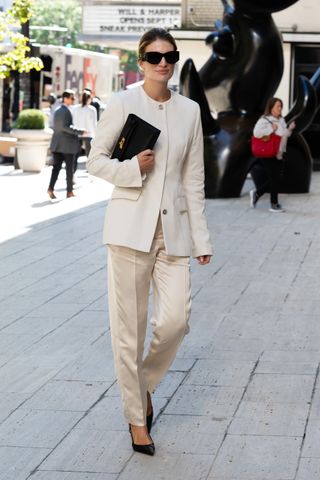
(174, 188)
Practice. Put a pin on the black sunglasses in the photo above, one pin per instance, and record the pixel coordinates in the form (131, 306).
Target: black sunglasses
(155, 57)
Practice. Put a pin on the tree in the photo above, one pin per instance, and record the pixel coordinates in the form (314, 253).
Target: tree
(17, 59)
(60, 13)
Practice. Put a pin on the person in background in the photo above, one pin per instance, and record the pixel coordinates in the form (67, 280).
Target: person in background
(85, 118)
(95, 102)
(271, 122)
(155, 221)
(65, 143)
(54, 103)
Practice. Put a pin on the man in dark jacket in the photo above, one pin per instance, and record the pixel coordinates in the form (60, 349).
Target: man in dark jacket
(65, 143)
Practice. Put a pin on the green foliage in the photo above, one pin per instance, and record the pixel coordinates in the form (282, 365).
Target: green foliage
(21, 10)
(16, 59)
(30, 119)
(60, 13)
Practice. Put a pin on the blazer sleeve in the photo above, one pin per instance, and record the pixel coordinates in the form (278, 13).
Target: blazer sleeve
(262, 128)
(286, 131)
(99, 163)
(193, 186)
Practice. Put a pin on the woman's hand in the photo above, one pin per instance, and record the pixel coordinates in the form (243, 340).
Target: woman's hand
(204, 259)
(274, 127)
(292, 126)
(146, 160)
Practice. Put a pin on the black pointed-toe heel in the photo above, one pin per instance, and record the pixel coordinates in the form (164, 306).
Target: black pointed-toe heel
(148, 449)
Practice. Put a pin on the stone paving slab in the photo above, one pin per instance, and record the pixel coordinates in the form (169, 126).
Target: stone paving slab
(312, 307)
(270, 418)
(240, 402)
(182, 364)
(17, 376)
(99, 305)
(286, 357)
(34, 326)
(16, 463)
(72, 476)
(15, 344)
(256, 458)
(242, 325)
(96, 451)
(311, 447)
(214, 372)
(205, 400)
(63, 395)
(93, 363)
(36, 428)
(289, 362)
(315, 407)
(190, 434)
(106, 415)
(88, 320)
(309, 469)
(165, 465)
(170, 384)
(59, 343)
(9, 402)
(46, 311)
(288, 389)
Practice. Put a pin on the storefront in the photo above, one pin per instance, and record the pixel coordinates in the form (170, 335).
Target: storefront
(122, 24)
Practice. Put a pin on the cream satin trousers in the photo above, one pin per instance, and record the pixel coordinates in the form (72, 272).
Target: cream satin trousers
(130, 275)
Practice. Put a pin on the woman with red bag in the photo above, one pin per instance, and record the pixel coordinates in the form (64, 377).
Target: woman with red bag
(270, 123)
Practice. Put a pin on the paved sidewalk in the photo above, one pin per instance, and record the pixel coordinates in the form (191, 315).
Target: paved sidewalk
(241, 401)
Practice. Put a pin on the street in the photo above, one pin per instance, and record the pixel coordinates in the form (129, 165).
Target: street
(242, 399)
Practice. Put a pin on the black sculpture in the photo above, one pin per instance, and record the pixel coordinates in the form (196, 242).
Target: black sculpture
(245, 70)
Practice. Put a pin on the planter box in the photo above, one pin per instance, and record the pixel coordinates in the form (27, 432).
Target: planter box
(32, 148)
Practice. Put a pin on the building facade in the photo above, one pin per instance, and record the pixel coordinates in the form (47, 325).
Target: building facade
(117, 23)
(121, 23)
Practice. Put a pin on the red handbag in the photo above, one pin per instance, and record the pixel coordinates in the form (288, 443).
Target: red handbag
(265, 147)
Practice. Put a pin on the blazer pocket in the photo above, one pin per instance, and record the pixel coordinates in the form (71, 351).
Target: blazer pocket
(130, 193)
(182, 204)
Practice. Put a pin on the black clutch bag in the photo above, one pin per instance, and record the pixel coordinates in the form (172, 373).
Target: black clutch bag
(137, 135)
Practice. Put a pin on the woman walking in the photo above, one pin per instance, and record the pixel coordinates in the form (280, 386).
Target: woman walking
(272, 122)
(154, 222)
(84, 118)
(85, 115)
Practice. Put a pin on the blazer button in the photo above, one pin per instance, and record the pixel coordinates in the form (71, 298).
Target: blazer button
(164, 212)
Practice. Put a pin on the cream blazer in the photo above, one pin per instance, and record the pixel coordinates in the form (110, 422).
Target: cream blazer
(174, 188)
